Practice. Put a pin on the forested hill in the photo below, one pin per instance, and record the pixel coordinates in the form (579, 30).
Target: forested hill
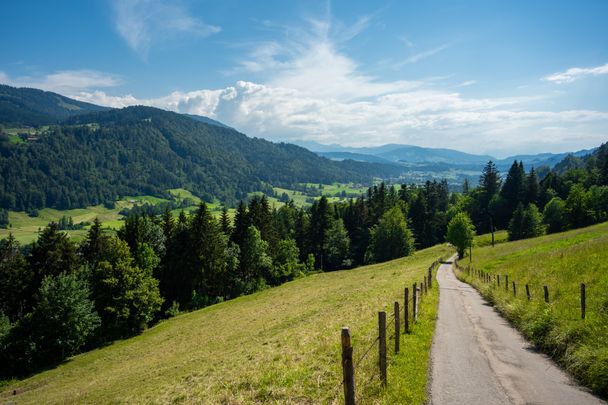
(33, 107)
(97, 157)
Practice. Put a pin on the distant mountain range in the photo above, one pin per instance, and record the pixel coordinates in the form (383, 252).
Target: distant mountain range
(416, 156)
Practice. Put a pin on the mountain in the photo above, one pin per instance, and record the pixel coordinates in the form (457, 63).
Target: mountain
(411, 155)
(358, 157)
(93, 158)
(207, 120)
(33, 107)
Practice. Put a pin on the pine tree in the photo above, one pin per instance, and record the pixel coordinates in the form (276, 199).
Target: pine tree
(532, 188)
(15, 278)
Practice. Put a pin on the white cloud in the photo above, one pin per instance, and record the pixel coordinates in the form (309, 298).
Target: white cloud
(576, 73)
(141, 22)
(467, 83)
(65, 81)
(421, 55)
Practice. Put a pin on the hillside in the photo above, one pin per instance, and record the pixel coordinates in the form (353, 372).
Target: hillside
(98, 157)
(561, 262)
(33, 107)
(279, 345)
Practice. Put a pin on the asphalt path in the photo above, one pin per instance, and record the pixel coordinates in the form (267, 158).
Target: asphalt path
(478, 358)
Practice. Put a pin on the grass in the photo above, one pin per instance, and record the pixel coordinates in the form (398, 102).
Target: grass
(561, 262)
(281, 345)
(486, 239)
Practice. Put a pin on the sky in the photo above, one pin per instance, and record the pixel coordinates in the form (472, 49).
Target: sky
(495, 77)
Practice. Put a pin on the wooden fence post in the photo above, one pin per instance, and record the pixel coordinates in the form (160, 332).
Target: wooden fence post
(583, 303)
(528, 292)
(348, 369)
(406, 314)
(498, 279)
(514, 290)
(431, 277)
(546, 290)
(397, 327)
(382, 345)
(414, 303)
(425, 289)
(506, 282)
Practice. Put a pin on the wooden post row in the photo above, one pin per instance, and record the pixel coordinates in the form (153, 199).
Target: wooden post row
(382, 346)
(348, 369)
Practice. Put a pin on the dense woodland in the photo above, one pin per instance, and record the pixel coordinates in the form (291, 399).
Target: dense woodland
(58, 298)
(95, 158)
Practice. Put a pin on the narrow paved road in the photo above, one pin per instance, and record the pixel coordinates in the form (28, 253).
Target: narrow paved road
(477, 358)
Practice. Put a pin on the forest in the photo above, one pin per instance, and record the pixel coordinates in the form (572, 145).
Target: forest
(58, 298)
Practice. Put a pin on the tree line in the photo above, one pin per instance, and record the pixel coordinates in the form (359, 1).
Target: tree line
(58, 297)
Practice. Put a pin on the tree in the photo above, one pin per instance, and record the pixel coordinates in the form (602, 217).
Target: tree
(460, 232)
(64, 317)
(52, 254)
(526, 223)
(532, 188)
(287, 265)
(578, 212)
(256, 263)
(513, 192)
(554, 215)
(126, 296)
(320, 220)
(92, 247)
(15, 278)
(390, 238)
(337, 246)
(489, 185)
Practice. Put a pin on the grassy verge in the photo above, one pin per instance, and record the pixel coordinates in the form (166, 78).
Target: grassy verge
(280, 345)
(561, 262)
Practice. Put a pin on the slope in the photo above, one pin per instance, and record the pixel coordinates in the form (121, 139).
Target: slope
(33, 107)
(279, 345)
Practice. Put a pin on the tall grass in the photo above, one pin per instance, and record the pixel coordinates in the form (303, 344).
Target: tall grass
(561, 262)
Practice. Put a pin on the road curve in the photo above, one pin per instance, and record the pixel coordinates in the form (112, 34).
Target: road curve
(477, 358)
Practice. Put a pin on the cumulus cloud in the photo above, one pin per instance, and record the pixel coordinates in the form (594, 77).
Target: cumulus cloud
(141, 22)
(576, 73)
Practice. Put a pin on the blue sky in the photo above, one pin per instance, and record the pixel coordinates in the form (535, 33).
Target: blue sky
(480, 76)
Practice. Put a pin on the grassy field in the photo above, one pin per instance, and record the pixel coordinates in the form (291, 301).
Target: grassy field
(281, 345)
(561, 262)
(26, 228)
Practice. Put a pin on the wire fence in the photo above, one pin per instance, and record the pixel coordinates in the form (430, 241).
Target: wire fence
(402, 318)
(576, 304)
